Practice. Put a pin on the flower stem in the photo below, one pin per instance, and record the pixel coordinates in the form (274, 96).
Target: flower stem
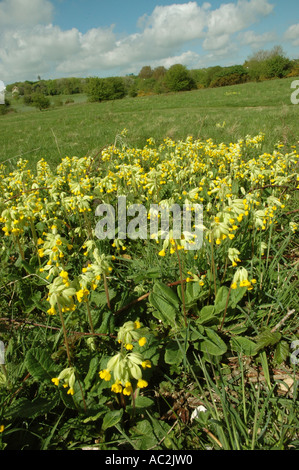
(65, 335)
(89, 317)
(106, 290)
(182, 284)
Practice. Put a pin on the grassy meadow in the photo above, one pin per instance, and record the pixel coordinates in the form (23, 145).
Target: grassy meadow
(145, 343)
(223, 114)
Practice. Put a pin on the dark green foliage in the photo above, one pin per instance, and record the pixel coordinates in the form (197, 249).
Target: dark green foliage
(40, 101)
(102, 89)
(4, 108)
(178, 78)
(230, 76)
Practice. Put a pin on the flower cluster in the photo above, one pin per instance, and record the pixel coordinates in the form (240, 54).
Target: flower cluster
(126, 366)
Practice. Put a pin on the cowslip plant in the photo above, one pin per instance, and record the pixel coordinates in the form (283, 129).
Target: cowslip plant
(126, 367)
(68, 377)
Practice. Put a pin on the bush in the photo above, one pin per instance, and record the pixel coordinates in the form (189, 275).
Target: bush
(101, 89)
(4, 108)
(40, 101)
(277, 67)
(230, 76)
(178, 78)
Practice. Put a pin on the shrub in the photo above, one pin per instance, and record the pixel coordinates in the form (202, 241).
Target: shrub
(178, 78)
(40, 101)
(230, 76)
(277, 67)
(101, 89)
(4, 108)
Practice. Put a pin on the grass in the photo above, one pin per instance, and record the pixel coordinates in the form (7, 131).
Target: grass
(223, 114)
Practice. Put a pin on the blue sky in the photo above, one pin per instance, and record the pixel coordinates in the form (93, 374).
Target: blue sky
(61, 38)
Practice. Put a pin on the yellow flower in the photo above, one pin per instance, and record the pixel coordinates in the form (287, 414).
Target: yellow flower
(128, 389)
(146, 364)
(137, 324)
(129, 346)
(105, 375)
(82, 294)
(1, 427)
(41, 252)
(70, 391)
(162, 253)
(142, 383)
(234, 285)
(142, 341)
(51, 311)
(245, 283)
(55, 380)
(117, 387)
(64, 274)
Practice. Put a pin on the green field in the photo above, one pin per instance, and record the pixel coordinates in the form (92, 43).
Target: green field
(223, 114)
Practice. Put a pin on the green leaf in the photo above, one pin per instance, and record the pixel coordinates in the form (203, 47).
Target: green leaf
(164, 310)
(27, 267)
(96, 416)
(167, 293)
(143, 402)
(24, 408)
(206, 314)
(281, 352)
(107, 323)
(173, 353)
(111, 419)
(243, 345)
(40, 365)
(267, 338)
(193, 292)
(221, 299)
(212, 344)
(92, 371)
(236, 295)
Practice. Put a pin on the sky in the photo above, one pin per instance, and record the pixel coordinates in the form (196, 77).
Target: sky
(84, 38)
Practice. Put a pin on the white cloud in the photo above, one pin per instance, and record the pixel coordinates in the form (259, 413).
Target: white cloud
(25, 13)
(175, 24)
(292, 34)
(256, 40)
(31, 45)
(230, 18)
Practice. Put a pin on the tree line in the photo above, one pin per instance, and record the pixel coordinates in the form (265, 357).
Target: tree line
(263, 65)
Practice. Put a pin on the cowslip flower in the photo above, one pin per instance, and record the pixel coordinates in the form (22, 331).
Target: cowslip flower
(105, 375)
(142, 383)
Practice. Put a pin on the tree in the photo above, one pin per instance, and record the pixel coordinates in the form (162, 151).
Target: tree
(177, 78)
(40, 101)
(277, 67)
(146, 72)
(268, 64)
(101, 89)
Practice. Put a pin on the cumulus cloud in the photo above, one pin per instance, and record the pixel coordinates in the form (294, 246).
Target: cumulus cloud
(25, 13)
(31, 45)
(256, 40)
(292, 34)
